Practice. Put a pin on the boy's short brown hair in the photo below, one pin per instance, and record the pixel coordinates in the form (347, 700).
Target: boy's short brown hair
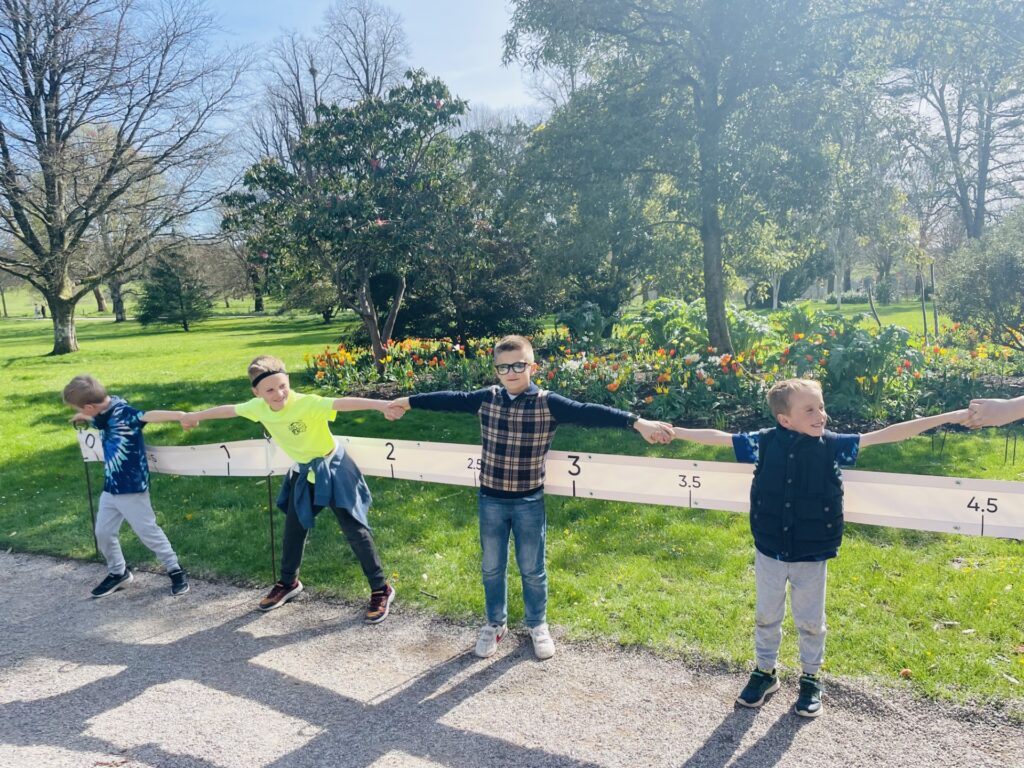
(514, 344)
(84, 390)
(780, 393)
(265, 364)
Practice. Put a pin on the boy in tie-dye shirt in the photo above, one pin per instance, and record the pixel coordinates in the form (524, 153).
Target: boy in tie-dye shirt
(125, 494)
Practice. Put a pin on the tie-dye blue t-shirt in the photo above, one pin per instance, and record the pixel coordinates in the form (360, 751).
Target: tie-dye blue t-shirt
(125, 469)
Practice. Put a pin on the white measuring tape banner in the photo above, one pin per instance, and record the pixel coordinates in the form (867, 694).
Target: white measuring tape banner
(920, 502)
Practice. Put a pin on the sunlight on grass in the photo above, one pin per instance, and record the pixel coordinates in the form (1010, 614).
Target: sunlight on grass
(676, 580)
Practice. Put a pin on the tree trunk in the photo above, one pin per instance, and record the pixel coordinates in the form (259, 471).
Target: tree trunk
(848, 278)
(924, 303)
(65, 339)
(3, 300)
(935, 306)
(711, 223)
(101, 302)
(257, 289)
(396, 305)
(116, 298)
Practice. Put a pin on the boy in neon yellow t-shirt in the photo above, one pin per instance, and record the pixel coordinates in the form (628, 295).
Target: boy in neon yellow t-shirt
(323, 476)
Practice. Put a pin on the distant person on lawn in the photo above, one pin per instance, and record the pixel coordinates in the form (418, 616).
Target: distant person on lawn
(796, 517)
(125, 494)
(323, 475)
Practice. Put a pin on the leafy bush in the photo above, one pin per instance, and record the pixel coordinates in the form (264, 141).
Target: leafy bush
(862, 371)
(670, 322)
(985, 285)
(585, 321)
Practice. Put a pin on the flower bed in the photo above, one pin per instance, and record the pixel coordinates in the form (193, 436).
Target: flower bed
(868, 375)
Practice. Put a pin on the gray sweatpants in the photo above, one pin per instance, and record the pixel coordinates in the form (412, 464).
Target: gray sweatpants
(116, 508)
(807, 602)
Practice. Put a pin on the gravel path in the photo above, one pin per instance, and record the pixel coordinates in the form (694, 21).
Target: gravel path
(141, 679)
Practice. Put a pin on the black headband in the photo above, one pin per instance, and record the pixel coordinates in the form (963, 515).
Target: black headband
(264, 375)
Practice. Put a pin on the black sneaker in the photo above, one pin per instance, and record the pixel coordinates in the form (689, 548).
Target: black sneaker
(758, 687)
(380, 605)
(808, 703)
(179, 581)
(280, 594)
(112, 583)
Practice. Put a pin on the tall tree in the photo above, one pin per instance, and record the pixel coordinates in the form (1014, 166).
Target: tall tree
(380, 171)
(173, 290)
(97, 98)
(714, 58)
(960, 70)
(371, 46)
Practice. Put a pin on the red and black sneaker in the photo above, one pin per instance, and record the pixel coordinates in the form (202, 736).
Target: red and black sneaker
(280, 594)
(380, 605)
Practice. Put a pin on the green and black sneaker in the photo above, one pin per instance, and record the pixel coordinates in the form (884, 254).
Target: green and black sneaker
(758, 687)
(808, 704)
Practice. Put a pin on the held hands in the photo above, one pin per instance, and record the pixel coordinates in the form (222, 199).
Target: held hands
(396, 409)
(79, 417)
(993, 412)
(188, 421)
(654, 432)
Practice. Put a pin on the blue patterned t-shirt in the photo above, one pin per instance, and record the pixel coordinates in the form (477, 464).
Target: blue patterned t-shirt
(844, 447)
(125, 469)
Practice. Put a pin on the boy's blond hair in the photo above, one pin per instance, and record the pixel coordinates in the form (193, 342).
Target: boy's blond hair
(779, 395)
(514, 344)
(265, 364)
(84, 390)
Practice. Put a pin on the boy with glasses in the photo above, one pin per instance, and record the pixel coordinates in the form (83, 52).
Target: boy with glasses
(517, 424)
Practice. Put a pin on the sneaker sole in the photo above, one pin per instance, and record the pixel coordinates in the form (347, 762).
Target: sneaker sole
(805, 713)
(115, 588)
(761, 701)
(387, 610)
(290, 596)
(181, 591)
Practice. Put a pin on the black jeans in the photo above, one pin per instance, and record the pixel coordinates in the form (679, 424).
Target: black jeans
(359, 538)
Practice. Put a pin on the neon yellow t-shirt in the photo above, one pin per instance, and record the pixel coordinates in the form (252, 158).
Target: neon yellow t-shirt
(300, 428)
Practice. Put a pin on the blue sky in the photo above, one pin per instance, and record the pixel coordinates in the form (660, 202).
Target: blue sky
(456, 40)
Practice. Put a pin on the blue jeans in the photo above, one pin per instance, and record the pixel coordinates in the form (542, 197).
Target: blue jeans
(525, 519)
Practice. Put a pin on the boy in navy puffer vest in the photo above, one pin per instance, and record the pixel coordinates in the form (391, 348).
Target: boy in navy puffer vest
(796, 517)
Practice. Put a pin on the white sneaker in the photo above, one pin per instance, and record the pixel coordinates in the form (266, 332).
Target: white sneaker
(543, 645)
(490, 636)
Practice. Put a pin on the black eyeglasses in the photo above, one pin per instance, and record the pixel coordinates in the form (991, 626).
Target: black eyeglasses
(504, 368)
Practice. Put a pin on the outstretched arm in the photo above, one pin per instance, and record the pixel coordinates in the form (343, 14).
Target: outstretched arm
(896, 432)
(994, 412)
(360, 404)
(154, 417)
(703, 436)
(190, 420)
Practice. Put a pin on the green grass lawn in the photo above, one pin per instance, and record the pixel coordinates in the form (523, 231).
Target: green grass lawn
(19, 303)
(676, 580)
(906, 314)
